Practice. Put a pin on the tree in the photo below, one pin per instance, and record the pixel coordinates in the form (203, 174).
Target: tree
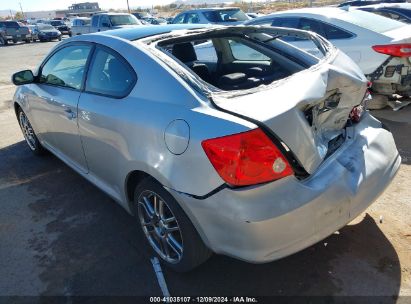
(18, 16)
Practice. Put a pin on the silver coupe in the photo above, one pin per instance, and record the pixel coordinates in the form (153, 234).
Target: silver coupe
(217, 139)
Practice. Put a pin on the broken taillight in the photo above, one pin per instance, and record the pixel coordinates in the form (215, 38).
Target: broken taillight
(356, 113)
(246, 158)
(396, 50)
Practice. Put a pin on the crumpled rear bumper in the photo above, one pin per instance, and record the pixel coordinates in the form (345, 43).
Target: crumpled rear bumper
(267, 222)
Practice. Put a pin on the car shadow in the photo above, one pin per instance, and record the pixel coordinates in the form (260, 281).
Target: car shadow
(358, 261)
(83, 243)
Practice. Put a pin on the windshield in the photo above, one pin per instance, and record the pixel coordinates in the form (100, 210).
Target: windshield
(230, 15)
(117, 20)
(56, 23)
(370, 21)
(45, 27)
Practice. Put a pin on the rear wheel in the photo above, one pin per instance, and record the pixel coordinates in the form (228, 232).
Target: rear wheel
(28, 133)
(27, 40)
(167, 229)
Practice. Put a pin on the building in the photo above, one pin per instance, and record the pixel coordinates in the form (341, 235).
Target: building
(84, 9)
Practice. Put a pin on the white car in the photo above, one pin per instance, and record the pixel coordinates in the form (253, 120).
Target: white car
(379, 45)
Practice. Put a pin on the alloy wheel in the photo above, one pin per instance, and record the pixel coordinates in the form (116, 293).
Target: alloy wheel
(27, 131)
(160, 226)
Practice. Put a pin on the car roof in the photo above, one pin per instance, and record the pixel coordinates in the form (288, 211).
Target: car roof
(143, 31)
(319, 11)
(206, 9)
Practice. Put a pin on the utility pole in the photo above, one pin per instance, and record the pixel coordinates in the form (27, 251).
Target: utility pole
(21, 8)
(128, 7)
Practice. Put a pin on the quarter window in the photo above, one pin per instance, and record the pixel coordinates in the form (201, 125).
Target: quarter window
(243, 52)
(192, 18)
(94, 21)
(332, 32)
(109, 74)
(179, 19)
(66, 67)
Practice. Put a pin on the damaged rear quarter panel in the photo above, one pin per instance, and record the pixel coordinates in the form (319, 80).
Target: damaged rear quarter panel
(281, 106)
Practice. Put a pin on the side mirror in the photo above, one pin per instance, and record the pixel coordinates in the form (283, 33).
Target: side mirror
(23, 77)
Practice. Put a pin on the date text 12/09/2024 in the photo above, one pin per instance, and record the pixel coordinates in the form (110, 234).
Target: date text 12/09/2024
(203, 300)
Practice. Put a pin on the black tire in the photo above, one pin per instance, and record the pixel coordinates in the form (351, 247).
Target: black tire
(33, 142)
(15, 41)
(59, 38)
(194, 252)
(27, 40)
(3, 41)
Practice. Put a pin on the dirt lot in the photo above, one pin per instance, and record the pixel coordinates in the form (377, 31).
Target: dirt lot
(59, 235)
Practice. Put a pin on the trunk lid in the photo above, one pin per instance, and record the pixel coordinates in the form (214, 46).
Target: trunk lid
(400, 35)
(307, 111)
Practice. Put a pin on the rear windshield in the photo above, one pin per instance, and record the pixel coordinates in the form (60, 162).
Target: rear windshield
(370, 21)
(12, 24)
(45, 27)
(117, 20)
(231, 15)
(56, 23)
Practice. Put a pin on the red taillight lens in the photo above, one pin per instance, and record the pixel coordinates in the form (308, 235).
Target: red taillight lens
(246, 158)
(396, 50)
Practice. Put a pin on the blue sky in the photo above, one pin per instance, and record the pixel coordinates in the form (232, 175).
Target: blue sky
(45, 5)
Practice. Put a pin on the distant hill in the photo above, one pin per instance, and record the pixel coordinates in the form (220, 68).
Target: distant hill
(198, 2)
(6, 13)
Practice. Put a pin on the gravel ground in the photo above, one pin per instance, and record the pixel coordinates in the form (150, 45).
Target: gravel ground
(59, 235)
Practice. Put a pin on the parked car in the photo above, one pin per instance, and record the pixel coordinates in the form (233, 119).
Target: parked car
(399, 12)
(61, 27)
(106, 21)
(14, 31)
(79, 23)
(34, 32)
(155, 21)
(368, 2)
(255, 15)
(140, 15)
(217, 15)
(380, 46)
(3, 39)
(47, 32)
(255, 159)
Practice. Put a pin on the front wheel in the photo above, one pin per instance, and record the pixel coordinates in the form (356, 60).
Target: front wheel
(167, 229)
(28, 133)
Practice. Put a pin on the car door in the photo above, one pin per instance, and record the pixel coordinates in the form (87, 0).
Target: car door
(54, 106)
(110, 79)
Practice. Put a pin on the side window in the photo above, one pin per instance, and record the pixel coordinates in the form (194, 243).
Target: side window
(205, 51)
(290, 22)
(104, 21)
(332, 32)
(285, 22)
(94, 21)
(311, 25)
(396, 16)
(66, 67)
(262, 22)
(243, 52)
(179, 19)
(109, 74)
(192, 18)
